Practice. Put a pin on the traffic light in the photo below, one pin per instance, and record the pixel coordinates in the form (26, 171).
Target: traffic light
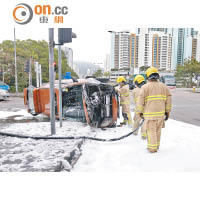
(27, 66)
(55, 66)
(65, 35)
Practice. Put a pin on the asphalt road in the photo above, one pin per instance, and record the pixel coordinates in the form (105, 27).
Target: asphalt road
(186, 106)
(12, 103)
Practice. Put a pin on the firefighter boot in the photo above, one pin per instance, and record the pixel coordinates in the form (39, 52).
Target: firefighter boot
(152, 150)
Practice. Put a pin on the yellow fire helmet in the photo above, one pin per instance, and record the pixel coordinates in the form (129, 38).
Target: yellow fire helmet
(121, 79)
(139, 79)
(151, 70)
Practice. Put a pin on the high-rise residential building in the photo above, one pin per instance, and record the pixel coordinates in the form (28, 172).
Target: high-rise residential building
(155, 49)
(145, 48)
(124, 41)
(69, 55)
(139, 30)
(180, 50)
(107, 67)
(163, 48)
(134, 45)
(182, 45)
(188, 48)
(181, 42)
(196, 47)
(120, 50)
(114, 54)
(166, 52)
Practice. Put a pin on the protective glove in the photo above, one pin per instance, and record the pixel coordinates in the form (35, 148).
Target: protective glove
(141, 115)
(166, 116)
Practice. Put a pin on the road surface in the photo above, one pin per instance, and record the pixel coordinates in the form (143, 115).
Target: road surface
(186, 106)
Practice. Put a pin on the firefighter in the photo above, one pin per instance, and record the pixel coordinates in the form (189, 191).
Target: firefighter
(123, 91)
(154, 104)
(139, 82)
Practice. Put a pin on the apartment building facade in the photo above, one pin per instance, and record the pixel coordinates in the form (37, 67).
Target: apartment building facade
(163, 48)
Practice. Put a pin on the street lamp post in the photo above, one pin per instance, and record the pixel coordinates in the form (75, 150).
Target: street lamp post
(16, 81)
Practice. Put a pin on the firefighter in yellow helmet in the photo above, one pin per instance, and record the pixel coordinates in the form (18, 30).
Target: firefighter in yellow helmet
(154, 104)
(139, 82)
(123, 91)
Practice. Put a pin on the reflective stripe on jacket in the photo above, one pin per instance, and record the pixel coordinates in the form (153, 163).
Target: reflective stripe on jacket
(154, 100)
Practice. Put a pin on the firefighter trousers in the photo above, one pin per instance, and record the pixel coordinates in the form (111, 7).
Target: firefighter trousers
(136, 122)
(154, 128)
(126, 113)
(127, 118)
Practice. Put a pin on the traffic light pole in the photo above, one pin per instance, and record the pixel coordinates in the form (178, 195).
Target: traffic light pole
(60, 83)
(51, 79)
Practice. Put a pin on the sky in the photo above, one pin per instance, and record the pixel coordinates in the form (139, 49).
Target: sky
(91, 20)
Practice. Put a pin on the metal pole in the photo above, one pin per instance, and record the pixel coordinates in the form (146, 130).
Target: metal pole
(60, 88)
(51, 79)
(40, 70)
(30, 77)
(16, 81)
(37, 74)
(3, 74)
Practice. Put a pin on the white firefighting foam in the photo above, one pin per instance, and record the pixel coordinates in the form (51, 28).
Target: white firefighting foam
(179, 149)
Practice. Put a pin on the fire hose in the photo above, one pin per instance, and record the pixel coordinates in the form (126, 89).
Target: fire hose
(71, 137)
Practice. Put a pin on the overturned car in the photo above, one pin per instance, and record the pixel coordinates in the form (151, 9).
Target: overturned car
(85, 99)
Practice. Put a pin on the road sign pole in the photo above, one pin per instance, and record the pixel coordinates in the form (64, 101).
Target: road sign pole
(60, 87)
(51, 79)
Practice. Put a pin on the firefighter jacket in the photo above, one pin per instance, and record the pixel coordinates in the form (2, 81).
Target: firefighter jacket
(154, 100)
(124, 97)
(136, 92)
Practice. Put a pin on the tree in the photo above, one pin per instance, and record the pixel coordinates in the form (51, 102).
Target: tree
(188, 73)
(38, 50)
(98, 73)
(106, 74)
